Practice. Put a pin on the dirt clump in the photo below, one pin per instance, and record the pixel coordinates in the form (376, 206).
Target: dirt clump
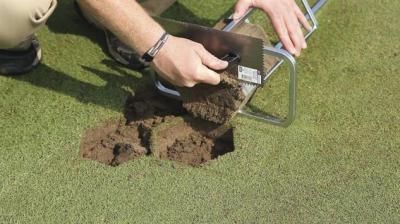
(113, 143)
(217, 104)
(156, 125)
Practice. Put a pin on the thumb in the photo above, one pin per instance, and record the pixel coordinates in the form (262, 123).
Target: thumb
(210, 60)
(241, 7)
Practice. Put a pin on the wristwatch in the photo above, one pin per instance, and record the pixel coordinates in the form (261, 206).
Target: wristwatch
(148, 57)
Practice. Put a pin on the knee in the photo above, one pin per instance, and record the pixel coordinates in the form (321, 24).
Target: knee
(20, 19)
(35, 12)
(41, 11)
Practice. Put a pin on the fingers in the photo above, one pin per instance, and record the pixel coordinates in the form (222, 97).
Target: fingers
(188, 64)
(281, 29)
(287, 20)
(210, 60)
(241, 7)
(201, 75)
(300, 16)
(295, 33)
(289, 31)
(206, 75)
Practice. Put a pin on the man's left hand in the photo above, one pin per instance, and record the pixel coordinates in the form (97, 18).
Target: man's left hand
(286, 18)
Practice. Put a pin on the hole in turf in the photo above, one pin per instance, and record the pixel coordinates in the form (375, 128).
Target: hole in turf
(159, 126)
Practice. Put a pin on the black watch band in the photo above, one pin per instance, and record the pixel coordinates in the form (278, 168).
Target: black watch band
(148, 57)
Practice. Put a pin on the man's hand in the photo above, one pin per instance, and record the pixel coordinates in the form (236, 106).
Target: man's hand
(183, 62)
(286, 18)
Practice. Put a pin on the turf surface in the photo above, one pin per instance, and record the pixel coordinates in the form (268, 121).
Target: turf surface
(338, 162)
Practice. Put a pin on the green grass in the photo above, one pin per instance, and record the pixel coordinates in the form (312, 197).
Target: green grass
(338, 162)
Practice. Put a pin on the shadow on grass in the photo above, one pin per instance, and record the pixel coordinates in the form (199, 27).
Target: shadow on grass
(182, 13)
(66, 20)
(111, 95)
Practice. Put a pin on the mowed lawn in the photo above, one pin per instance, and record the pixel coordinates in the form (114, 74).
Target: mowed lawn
(338, 162)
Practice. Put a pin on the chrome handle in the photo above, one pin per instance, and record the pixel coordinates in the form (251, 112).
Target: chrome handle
(311, 16)
(234, 23)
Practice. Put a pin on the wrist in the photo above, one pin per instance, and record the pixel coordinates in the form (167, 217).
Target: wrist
(151, 53)
(148, 40)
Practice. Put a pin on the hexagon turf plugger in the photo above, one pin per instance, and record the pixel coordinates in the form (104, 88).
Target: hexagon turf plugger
(246, 56)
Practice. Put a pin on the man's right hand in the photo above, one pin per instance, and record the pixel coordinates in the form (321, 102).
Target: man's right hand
(183, 62)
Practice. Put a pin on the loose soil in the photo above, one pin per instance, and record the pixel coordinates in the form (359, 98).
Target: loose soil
(217, 104)
(156, 125)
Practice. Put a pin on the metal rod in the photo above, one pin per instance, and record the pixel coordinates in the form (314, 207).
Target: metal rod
(234, 23)
(317, 6)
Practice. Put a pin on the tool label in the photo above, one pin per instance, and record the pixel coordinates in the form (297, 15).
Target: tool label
(249, 74)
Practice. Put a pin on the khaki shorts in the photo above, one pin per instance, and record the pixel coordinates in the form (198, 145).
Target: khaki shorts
(20, 19)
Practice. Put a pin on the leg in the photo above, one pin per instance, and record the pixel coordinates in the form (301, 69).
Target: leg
(19, 20)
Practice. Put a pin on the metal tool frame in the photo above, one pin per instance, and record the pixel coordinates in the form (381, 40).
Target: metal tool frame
(275, 51)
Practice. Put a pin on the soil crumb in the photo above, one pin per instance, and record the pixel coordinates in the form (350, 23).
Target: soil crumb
(217, 104)
(156, 125)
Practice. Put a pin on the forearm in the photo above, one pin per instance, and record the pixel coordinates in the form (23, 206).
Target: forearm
(127, 20)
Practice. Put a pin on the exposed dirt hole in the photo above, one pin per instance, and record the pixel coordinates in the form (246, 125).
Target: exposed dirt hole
(191, 141)
(159, 126)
